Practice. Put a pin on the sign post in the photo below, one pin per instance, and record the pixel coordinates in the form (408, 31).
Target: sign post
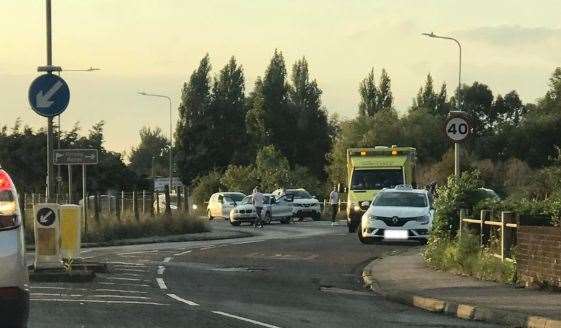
(81, 157)
(458, 128)
(49, 96)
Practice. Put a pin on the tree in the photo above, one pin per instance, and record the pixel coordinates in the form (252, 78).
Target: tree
(150, 157)
(229, 110)
(194, 138)
(312, 122)
(385, 97)
(368, 96)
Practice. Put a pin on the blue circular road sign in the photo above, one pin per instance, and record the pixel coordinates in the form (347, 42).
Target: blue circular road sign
(49, 95)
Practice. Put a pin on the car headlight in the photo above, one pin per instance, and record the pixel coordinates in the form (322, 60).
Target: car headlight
(422, 219)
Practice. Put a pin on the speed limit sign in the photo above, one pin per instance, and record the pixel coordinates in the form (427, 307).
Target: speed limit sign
(458, 127)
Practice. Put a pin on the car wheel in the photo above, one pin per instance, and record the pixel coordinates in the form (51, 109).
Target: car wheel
(235, 223)
(316, 217)
(423, 241)
(364, 240)
(210, 218)
(285, 220)
(268, 218)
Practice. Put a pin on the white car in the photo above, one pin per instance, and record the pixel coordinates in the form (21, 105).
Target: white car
(400, 213)
(303, 205)
(221, 203)
(14, 277)
(274, 209)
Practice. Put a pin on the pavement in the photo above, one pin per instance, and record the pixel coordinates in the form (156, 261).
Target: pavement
(299, 275)
(405, 278)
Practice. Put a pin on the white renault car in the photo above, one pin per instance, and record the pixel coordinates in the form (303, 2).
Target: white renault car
(274, 209)
(14, 277)
(400, 213)
(303, 205)
(221, 203)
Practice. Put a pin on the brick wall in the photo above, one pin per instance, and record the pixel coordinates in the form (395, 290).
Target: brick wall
(538, 255)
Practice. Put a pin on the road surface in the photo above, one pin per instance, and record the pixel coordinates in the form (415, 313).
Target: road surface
(299, 275)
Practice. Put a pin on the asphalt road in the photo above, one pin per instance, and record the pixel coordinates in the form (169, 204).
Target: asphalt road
(298, 275)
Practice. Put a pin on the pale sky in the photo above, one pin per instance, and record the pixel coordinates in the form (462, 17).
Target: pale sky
(154, 45)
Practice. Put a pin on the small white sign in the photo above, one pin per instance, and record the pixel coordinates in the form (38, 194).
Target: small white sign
(161, 183)
(457, 129)
(396, 234)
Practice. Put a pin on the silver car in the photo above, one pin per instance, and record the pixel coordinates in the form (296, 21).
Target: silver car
(14, 277)
(274, 209)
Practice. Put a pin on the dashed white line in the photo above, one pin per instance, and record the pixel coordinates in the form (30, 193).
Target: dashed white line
(119, 291)
(183, 253)
(255, 322)
(52, 294)
(167, 259)
(177, 298)
(94, 301)
(207, 247)
(161, 283)
(116, 284)
(161, 270)
(122, 296)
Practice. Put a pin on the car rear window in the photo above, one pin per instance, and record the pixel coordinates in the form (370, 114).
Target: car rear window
(402, 199)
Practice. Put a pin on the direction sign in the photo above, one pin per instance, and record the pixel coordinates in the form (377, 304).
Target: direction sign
(458, 127)
(46, 216)
(49, 95)
(75, 156)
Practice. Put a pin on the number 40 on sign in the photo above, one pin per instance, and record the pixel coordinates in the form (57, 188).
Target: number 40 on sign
(458, 127)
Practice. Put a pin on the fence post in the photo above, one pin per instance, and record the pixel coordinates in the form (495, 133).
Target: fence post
(157, 203)
(484, 236)
(151, 201)
(118, 207)
(135, 205)
(32, 199)
(186, 189)
(168, 200)
(506, 234)
(462, 217)
(96, 207)
(143, 202)
(122, 203)
(179, 202)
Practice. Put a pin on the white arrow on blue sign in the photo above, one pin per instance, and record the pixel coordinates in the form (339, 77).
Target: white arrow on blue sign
(49, 95)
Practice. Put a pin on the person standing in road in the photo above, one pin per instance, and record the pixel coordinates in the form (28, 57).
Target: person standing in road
(334, 202)
(258, 204)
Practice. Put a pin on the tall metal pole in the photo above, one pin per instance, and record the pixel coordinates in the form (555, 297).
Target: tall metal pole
(170, 149)
(457, 167)
(50, 119)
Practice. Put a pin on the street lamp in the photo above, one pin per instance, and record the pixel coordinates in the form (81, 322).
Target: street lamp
(142, 93)
(456, 145)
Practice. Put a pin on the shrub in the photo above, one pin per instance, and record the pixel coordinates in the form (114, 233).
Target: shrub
(205, 186)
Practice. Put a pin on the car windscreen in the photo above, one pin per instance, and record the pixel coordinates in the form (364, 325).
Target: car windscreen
(376, 179)
(235, 197)
(401, 199)
(300, 194)
(246, 200)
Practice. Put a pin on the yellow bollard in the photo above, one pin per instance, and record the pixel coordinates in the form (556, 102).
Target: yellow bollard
(70, 231)
(47, 234)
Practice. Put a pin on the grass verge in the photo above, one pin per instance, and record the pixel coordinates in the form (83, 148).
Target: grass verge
(462, 255)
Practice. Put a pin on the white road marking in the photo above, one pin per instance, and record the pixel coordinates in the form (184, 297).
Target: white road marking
(161, 283)
(119, 291)
(56, 287)
(247, 242)
(122, 296)
(161, 270)
(130, 274)
(245, 319)
(120, 278)
(139, 252)
(127, 269)
(95, 301)
(116, 284)
(207, 247)
(51, 294)
(177, 298)
(167, 259)
(183, 253)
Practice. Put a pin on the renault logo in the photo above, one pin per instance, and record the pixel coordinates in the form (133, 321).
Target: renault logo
(395, 220)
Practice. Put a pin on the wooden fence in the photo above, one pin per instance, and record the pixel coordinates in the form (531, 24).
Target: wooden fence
(504, 228)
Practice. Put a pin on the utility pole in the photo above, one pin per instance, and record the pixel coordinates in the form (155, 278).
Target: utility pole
(457, 168)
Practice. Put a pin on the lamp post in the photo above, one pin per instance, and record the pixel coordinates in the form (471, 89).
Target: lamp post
(142, 93)
(456, 145)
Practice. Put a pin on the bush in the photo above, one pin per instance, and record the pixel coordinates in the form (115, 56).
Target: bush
(463, 255)
(205, 186)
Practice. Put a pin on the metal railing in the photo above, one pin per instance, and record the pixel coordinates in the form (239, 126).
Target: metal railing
(504, 228)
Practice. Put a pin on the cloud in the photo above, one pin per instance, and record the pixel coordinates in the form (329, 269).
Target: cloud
(512, 35)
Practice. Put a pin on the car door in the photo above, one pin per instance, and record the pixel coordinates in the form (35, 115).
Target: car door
(282, 207)
(219, 204)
